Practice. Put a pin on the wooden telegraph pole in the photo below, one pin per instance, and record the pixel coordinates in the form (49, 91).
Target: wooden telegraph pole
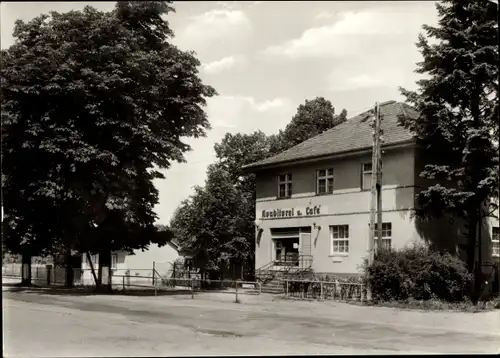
(376, 189)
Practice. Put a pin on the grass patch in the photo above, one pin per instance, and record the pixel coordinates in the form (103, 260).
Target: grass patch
(437, 305)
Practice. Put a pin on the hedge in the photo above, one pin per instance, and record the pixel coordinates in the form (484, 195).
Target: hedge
(419, 273)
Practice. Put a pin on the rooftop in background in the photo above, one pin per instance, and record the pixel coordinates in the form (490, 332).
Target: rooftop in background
(352, 135)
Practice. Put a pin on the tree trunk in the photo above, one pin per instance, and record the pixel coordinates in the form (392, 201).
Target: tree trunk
(479, 268)
(99, 272)
(26, 270)
(471, 253)
(89, 260)
(105, 263)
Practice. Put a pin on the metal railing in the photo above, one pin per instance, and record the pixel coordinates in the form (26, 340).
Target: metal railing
(301, 264)
(325, 290)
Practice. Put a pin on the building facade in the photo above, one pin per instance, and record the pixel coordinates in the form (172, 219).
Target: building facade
(313, 200)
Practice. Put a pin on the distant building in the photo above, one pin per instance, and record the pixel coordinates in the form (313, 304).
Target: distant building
(139, 265)
(313, 200)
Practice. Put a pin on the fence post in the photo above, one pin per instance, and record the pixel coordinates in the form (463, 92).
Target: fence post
(123, 282)
(236, 300)
(321, 293)
(154, 271)
(286, 288)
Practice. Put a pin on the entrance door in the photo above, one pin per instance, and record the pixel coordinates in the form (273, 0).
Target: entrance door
(286, 250)
(305, 258)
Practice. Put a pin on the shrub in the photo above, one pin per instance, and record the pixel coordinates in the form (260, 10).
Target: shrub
(418, 273)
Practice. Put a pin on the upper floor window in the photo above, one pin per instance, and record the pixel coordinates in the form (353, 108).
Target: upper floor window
(495, 241)
(386, 236)
(324, 181)
(285, 185)
(366, 176)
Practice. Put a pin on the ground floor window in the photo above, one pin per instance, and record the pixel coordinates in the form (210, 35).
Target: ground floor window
(386, 236)
(339, 239)
(495, 241)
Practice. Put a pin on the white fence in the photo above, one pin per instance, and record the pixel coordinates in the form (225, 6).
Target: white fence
(133, 280)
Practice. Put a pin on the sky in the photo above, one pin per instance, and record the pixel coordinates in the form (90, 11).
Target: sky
(266, 58)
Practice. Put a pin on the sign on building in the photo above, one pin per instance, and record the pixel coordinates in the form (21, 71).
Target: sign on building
(315, 210)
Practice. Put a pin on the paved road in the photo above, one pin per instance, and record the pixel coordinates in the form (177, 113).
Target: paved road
(42, 325)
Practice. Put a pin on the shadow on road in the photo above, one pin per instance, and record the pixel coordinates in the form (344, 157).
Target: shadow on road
(87, 291)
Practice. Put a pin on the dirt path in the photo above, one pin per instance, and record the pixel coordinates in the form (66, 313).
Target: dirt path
(212, 324)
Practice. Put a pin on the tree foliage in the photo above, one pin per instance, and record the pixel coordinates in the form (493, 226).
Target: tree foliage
(458, 105)
(214, 220)
(93, 103)
(312, 118)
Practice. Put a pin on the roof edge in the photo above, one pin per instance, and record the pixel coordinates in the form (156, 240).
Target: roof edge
(250, 168)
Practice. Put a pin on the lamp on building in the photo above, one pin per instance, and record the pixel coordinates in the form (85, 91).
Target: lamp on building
(257, 223)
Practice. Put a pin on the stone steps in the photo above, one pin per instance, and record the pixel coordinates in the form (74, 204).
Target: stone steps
(275, 284)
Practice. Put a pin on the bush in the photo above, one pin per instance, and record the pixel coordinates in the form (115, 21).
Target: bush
(417, 273)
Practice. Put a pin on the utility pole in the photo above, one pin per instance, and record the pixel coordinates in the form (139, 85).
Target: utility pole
(378, 184)
(376, 188)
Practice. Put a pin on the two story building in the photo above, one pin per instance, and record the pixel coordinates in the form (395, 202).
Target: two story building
(313, 200)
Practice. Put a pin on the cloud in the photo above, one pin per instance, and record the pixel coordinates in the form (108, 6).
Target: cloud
(351, 35)
(382, 73)
(269, 105)
(223, 64)
(323, 15)
(218, 24)
(245, 113)
(358, 81)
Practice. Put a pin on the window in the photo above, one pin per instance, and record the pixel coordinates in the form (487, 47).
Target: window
(114, 261)
(340, 239)
(366, 176)
(285, 186)
(495, 240)
(325, 181)
(386, 236)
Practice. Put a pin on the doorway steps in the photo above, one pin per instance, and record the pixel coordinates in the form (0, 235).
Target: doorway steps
(272, 280)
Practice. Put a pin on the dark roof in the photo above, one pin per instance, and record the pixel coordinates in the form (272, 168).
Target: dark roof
(351, 135)
(174, 244)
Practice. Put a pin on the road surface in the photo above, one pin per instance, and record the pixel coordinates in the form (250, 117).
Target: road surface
(43, 325)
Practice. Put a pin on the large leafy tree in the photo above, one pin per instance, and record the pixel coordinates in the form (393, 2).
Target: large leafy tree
(93, 103)
(458, 105)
